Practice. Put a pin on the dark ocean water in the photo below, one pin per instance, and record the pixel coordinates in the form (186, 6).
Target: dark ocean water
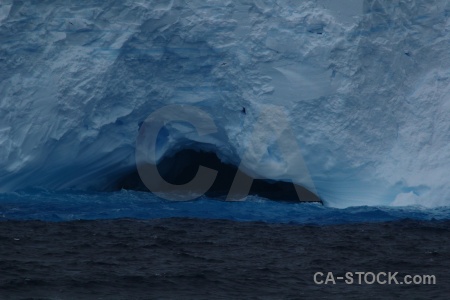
(217, 259)
(130, 245)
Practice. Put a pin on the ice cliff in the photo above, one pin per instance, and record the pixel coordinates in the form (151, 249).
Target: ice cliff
(363, 85)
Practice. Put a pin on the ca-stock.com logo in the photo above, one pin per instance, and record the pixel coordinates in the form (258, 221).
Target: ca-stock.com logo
(204, 125)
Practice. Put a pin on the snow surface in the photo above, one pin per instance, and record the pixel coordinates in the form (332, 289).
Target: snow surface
(363, 85)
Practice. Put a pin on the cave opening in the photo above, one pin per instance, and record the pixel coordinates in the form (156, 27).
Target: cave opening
(181, 167)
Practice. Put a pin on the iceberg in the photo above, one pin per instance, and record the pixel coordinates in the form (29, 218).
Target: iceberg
(350, 101)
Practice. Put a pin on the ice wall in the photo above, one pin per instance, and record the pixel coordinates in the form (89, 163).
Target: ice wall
(365, 87)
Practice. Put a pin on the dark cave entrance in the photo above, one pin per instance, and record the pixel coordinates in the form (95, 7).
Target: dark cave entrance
(182, 167)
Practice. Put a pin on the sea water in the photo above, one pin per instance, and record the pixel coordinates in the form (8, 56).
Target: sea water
(75, 205)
